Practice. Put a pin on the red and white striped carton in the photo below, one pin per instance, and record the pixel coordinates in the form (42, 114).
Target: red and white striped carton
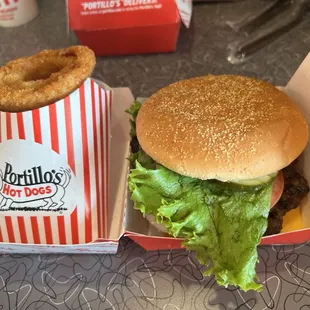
(54, 171)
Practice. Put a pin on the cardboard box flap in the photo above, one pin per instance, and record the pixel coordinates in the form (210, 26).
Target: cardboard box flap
(118, 14)
(122, 216)
(120, 140)
(298, 89)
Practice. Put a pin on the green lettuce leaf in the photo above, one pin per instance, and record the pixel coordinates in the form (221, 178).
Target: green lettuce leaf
(222, 222)
(142, 158)
(133, 111)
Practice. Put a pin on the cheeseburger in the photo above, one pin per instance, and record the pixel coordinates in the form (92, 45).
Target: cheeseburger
(213, 162)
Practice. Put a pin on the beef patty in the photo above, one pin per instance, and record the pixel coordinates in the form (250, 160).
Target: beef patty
(295, 189)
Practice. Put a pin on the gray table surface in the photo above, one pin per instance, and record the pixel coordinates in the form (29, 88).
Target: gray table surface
(135, 279)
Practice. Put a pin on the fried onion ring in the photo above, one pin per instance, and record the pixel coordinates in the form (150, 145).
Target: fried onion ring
(33, 82)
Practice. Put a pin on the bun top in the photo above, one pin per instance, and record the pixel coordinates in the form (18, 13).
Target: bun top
(221, 127)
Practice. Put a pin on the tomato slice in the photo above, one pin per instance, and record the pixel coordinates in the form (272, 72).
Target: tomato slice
(277, 189)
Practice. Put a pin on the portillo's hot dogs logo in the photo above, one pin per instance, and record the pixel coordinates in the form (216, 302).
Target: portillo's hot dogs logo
(33, 189)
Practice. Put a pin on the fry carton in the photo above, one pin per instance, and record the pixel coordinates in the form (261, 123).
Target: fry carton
(130, 26)
(54, 170)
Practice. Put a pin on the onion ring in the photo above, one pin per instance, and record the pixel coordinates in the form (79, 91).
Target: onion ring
(35, 81)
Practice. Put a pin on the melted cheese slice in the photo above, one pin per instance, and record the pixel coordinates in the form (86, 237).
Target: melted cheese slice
(292, 221)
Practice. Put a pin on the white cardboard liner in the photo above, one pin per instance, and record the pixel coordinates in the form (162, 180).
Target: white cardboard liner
(298, 88)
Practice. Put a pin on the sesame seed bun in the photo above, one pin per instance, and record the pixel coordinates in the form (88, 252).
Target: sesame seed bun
(221, 127)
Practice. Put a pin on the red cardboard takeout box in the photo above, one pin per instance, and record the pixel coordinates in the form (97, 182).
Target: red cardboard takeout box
(118, 27)
(63, 175)
(296, 224)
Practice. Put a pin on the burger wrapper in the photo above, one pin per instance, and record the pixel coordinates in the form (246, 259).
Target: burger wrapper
(54, 170)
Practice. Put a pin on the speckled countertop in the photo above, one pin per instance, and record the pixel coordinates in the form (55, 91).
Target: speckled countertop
(135, 279)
